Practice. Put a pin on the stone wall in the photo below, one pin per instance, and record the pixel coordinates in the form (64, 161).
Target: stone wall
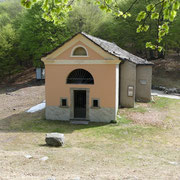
(102, 114)
(95, 114)
(57, 113)
(143, 83)
(128, 78)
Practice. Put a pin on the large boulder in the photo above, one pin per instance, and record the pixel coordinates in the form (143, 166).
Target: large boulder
(54, 139)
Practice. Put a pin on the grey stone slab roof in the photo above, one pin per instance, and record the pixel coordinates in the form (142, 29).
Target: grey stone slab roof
(111, 48)
(115, 50)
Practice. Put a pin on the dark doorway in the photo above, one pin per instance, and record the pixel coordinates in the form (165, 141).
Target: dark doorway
(79, 104)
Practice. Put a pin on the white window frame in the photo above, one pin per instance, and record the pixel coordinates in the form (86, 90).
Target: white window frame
(79, 55)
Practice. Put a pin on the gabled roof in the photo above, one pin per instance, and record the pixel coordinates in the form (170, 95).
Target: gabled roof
(112, 49)
(115, 50)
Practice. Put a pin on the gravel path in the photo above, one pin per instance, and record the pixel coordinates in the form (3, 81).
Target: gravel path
(162, 94)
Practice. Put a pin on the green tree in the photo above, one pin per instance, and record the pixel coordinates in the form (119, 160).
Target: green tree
(160, 11)
(123, 31)
(173, 38)
(9, 10)
(85, 16)
(38, 36)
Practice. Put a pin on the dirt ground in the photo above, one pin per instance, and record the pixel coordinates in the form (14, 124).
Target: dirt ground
(20, 100)
(23, 92)
(144, 144)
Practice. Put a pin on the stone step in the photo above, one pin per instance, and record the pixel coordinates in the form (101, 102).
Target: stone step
(79, 122)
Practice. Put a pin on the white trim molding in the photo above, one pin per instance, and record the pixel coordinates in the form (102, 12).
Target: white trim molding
(117, 90)
(75, 47)
(48, 61)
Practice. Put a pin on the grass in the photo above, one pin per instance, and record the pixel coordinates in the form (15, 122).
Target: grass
(162, 103)
(139, 109)
(97, 150)
(36, 123)
(123, 128)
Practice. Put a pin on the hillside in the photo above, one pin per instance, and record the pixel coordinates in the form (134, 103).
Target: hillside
(22, 79)
(166, 72)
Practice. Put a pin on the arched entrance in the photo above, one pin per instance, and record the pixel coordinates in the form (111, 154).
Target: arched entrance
(80, 96)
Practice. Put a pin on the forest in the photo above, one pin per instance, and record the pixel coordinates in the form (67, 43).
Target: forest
(25, 35)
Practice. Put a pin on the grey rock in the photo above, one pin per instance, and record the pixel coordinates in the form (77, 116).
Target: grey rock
(51, 178)
(178, 91)
(167, 90)
(28, 156)
(170, 90)
(76, 178)
(45, 158)
(162, 88)
(173, 163)
(54, 139)
(10, 90)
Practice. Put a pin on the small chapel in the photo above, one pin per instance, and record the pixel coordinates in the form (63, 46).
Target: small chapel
(89, 79)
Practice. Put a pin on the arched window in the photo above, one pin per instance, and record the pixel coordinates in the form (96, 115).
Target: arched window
(79, 51)
(80, 76)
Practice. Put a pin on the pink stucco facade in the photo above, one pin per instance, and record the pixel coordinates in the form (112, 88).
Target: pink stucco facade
(103, 68)
(103, 87)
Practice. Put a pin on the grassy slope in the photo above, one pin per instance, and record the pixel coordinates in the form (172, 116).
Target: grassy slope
(128, 149)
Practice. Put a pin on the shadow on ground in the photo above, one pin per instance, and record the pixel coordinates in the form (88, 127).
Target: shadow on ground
(36, 122)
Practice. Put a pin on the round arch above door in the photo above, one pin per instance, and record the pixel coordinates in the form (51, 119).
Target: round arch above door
(80, 76)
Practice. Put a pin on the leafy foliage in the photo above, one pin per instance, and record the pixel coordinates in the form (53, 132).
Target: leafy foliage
(38, 36)
(85, 16)
(8, 38)
(162, 11)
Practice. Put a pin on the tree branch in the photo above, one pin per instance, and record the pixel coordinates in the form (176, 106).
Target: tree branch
(131, 6)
